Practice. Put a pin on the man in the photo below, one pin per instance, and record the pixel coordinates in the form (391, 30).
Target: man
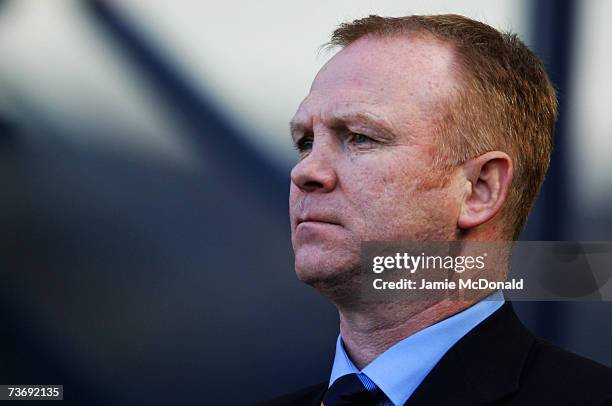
(426, 128)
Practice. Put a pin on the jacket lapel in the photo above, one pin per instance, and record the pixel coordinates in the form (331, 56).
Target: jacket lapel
(484, 366)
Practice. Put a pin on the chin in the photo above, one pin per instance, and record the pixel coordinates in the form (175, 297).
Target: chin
(310, 270)
(335, 276)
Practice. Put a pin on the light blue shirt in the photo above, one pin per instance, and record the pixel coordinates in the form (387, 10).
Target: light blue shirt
(401, 369)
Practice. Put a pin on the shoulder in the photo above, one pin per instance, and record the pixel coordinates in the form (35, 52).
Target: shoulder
(553, 370)
(501, 361)
(310, 395)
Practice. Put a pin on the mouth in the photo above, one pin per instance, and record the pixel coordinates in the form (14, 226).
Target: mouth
(316, 221)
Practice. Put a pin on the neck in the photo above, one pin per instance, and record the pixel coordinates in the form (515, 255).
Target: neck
(369, 329)
(368, 332)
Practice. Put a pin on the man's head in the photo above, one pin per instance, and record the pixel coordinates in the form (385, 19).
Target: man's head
(421, 127)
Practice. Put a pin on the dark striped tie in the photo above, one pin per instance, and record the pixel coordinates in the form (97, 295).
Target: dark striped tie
(348, 390)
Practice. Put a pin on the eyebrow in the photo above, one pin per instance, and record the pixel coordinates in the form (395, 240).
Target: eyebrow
(345, 119)
(296, 128)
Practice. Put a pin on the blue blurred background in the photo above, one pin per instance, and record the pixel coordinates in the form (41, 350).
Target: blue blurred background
(144, 166)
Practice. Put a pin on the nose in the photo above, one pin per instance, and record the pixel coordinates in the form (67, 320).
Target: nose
(316, 172)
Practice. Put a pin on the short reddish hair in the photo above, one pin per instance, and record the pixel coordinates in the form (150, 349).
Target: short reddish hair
(506, 101)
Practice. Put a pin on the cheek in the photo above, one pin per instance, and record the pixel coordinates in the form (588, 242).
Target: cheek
(387, 183)
(294, 196)
(382, 193)
(392, 206)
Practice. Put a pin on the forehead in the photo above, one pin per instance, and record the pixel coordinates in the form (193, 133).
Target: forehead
(397, 78)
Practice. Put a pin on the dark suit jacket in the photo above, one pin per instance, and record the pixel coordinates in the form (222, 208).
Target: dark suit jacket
(499, 362)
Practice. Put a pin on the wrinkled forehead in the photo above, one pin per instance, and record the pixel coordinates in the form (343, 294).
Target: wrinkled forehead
(398, 75)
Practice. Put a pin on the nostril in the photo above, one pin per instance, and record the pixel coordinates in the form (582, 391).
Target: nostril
(312, 185)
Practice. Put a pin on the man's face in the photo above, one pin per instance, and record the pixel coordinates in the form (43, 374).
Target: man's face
(365, 135)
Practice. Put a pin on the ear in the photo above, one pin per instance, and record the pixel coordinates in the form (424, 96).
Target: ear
(488, 179)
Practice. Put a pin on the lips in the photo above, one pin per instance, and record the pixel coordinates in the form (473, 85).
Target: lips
(318, 219)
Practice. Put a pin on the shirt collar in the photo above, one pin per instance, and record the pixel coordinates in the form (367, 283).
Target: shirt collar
(400, 369)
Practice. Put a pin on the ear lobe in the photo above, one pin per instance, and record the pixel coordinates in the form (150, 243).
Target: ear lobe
(489, 177)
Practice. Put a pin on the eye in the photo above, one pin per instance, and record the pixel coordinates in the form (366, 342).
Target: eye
(359, 139)
(304, 144)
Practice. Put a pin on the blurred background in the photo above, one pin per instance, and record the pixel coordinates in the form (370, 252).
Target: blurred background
(144, 167)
